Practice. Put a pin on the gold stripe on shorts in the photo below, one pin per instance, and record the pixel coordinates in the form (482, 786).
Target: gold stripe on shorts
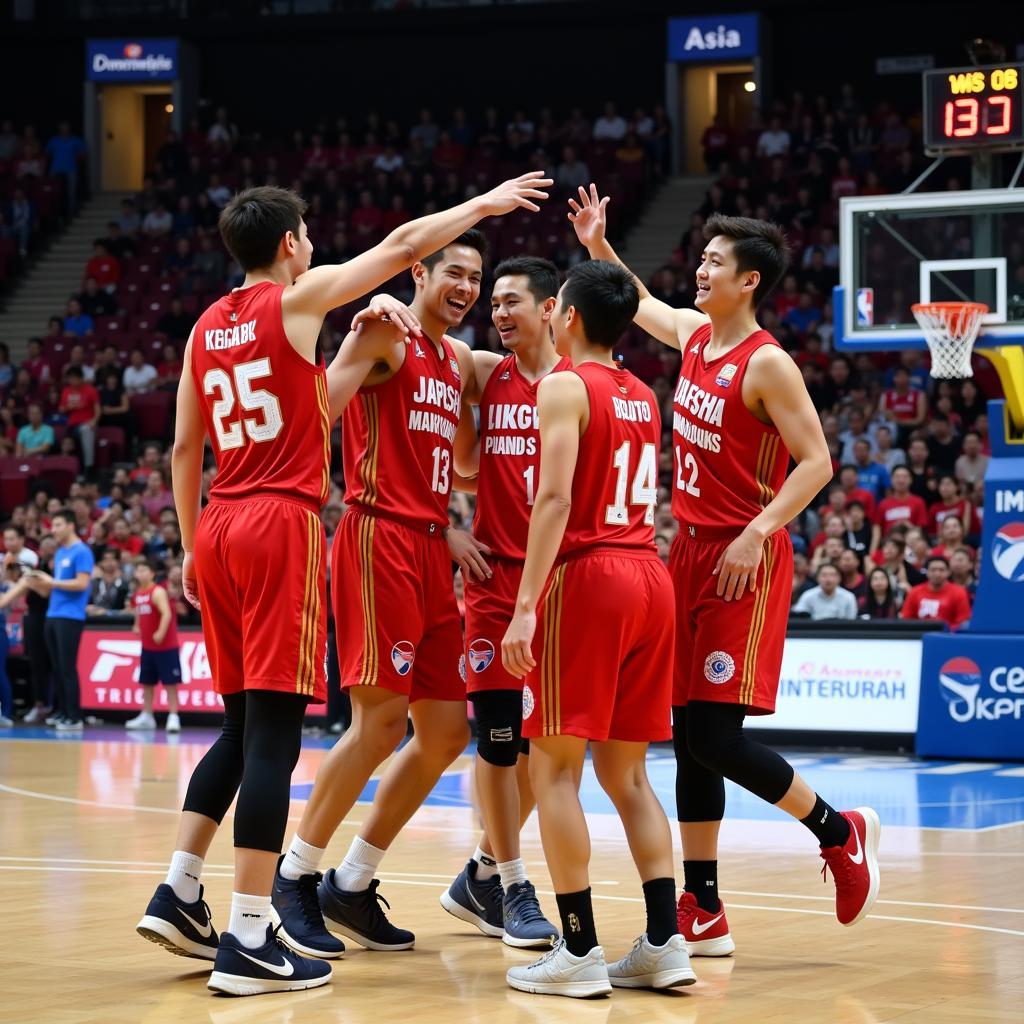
(302, 672)
(366, 527)
(368, 464)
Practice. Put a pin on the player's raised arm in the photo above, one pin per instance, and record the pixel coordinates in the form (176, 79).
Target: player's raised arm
(370, 344)
(776, 383)
(187, 470)
(561, 408)
(670, 326)
(325, 288)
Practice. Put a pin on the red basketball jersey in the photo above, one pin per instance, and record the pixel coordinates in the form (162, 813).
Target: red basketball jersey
(509, 459)
(149, 620)
(615, 486)
(264, 405)
(728, 464)
(398, 437)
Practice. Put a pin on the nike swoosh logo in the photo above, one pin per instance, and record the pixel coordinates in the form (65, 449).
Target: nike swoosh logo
(476, 903)
(859, 859)
(285, 969)
(700, 929)
(206, 930)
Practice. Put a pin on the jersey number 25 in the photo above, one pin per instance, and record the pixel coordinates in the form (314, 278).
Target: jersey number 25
(229, 434)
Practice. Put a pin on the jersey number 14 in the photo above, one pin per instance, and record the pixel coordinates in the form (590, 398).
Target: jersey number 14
(644, 490)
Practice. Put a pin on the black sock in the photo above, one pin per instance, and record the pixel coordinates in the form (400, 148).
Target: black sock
(828, 825)
(660, 898)
(577, 915)
(701, 878)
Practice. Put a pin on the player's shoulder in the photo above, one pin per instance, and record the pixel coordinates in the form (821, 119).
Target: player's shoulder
(557, 387)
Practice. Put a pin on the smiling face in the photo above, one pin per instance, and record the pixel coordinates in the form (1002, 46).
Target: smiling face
(449, 288)
(520, 320)
(721, 287)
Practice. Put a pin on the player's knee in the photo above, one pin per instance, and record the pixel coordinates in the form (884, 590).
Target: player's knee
(380, 733)
(499, 726)
(713, 732)
(445, 744)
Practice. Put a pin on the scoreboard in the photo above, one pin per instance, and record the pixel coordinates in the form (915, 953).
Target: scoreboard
(975, 108)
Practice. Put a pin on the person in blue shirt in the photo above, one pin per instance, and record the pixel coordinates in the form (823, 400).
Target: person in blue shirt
(66, 152)
(871, 476)
(69, 588)
(35, 437)
(77, 322)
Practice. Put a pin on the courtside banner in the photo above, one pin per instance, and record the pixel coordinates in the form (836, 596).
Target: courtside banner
(108, 672)
(836, 685)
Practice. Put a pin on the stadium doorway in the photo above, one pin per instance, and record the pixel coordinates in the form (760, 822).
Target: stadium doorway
(708, 89)
(133, 124)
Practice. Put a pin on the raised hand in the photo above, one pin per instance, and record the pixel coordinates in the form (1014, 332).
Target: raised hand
(385, 307)
(588, 216)
(516, 193)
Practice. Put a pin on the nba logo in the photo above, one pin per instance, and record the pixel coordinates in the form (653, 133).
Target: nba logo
(481, 654)
(865, 307)
(1008, 552)
(403, 654)
(725, 375)
(961, 680)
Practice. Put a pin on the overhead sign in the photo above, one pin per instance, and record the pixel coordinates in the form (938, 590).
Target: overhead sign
(131, 60)
(904, 65)
(831, 685)
(713, 37)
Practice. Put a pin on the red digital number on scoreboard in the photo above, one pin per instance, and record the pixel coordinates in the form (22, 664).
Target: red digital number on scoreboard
(966, 117)
(974, 108)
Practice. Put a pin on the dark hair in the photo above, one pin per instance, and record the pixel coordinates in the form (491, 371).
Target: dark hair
(19, 530)
(829, 565)
(936, 558)
(74, 371)
(856, 504)
(64, 513)
(254, 222)
(472, 238)
(896, 469)
(848, 465)
(541, 275)
(606, 297)
(758, 244)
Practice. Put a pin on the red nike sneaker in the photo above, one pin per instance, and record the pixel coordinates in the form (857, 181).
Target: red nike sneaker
(854, 866)
(706, 934)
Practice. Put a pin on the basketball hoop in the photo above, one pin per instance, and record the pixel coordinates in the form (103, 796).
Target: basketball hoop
(950, 328)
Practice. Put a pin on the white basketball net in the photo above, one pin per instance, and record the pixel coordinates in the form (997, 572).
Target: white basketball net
(950, 328)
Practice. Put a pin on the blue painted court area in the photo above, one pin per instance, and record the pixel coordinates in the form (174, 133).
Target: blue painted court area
(958, 795)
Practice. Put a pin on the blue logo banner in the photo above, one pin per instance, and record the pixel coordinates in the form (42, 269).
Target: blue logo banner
(713, 37)
(131, 60)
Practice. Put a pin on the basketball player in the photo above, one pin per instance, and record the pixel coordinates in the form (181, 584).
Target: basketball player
(492, 892)
(257, 387)
(740, 412)
(157, 627)
(601, 671)
(398, 626)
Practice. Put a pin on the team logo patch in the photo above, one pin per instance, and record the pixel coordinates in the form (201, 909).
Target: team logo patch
(726, 374)
(454, 364)
(1008, 552)
(505, 376)
(462, 667)
(481, 654)
(419, 351)
(528, 702)
(403, 654)
(719, 667)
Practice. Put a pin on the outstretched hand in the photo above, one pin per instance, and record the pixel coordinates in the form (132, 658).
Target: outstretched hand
(516, 193)
(385, 307)
(588, 216)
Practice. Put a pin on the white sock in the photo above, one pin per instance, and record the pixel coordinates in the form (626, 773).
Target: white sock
(356, 871)
(250, 917)
(183, 875)
(301, 859)
(511, 871)
(486, 865)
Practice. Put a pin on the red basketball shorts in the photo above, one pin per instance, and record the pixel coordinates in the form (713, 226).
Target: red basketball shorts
(603, 649)
(397, 619)
(489, 607)
(729, 651)
(262, 585)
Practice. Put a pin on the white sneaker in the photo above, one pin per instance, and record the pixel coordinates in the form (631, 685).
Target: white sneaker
(647, 966)
(54, 718)
(70, 725)
(36, 715)
(5, 722)
(559, 973)
(173, 723)
(142, 720)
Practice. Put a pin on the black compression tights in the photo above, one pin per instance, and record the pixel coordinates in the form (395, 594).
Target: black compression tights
(710, 744)
(254, 757)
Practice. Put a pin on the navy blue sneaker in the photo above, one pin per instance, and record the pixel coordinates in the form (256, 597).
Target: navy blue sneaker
(184, 929)
(272, 967)
(295, 907)
(478, 902)
(526, 927)
(358, 916)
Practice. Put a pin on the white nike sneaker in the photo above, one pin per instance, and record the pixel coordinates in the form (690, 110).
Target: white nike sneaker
(173, 723)
(559, 973)
(141, 721)
(647, 966)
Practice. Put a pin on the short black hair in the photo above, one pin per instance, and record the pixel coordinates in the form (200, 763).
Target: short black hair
(541, 275)
(936, 558)
(606, 297)
(254, 221)
(74, 371)
(64, 513)
(472, 238)
(19, 530)
(758, 244)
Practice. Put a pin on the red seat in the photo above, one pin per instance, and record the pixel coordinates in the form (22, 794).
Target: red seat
(110, 445)
(60, 471)
(153, 413)
(13, 492)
